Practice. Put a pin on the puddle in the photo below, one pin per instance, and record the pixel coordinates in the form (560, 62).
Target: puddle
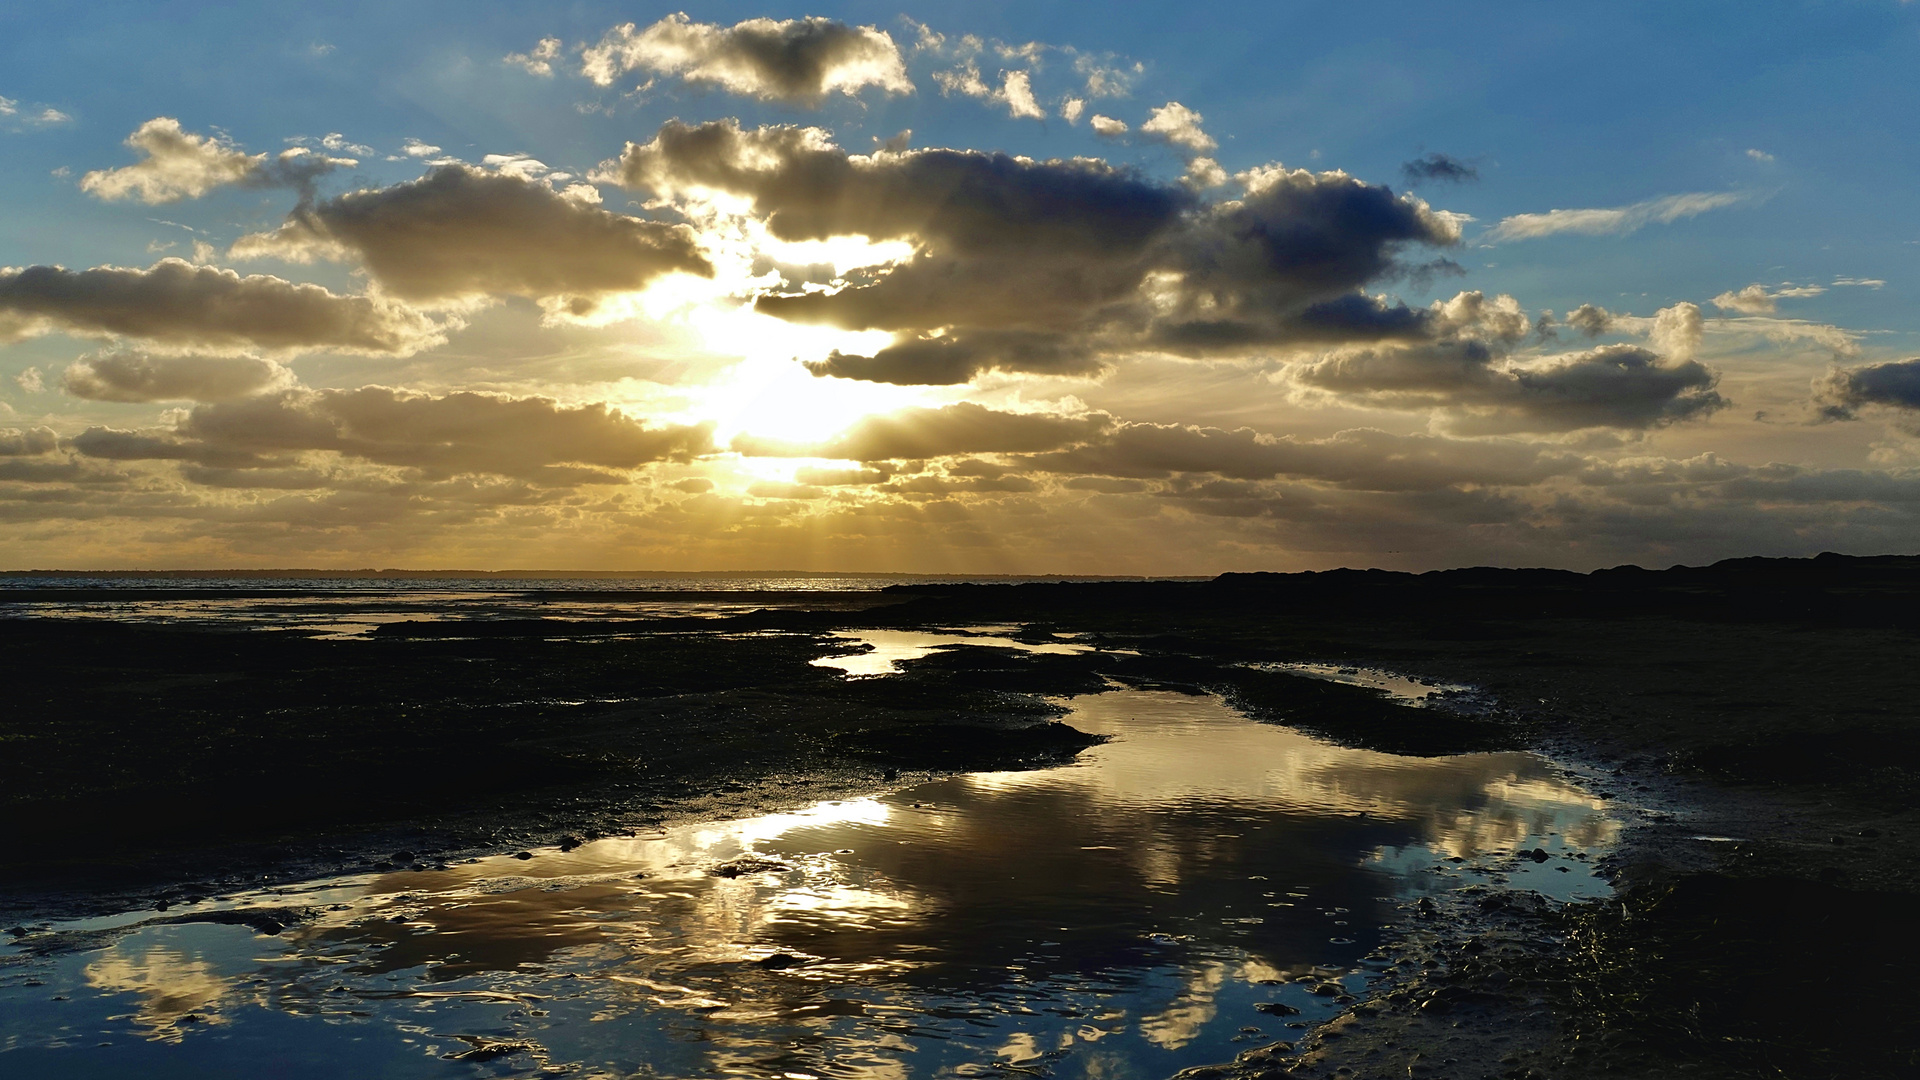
(1121, 916)
(890, 647)
(1402, 688)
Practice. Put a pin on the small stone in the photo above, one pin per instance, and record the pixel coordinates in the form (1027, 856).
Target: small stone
(523, 855)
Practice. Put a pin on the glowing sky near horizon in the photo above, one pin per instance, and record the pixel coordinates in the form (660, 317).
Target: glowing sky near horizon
(956, 288)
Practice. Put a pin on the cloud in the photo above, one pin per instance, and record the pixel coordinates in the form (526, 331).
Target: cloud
(1177, 125)
(1050, 265)
(1761, 156)
(1461, 369)
(418, 149)
(1752, 300)
(1438, 168)
(1107, 126)
(19, 442)
(537, 60)
(133, 376)
(460, 231)
(1869, 283)
(1071, 109)
(797, 61)
(14, 116)
(1363, 459)
(965, 428)
(953, 359)
(529, 437)
(1894, 384)
(1107, 76)
(1617, 386)
(179, 165)
(1590, 319)
(177, 303)
(1015, 90)
(1617, 220)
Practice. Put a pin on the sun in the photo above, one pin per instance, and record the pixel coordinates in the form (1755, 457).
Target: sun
(770, 394)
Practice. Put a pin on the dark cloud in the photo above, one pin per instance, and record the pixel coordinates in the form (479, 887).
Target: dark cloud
(1438, 168)
(1284, 263)
(798, 61)
(1590, 320)
(177, 164)
(533, 438)
(970, 202)
(18, 442)
(1363, 459)
(965, 428)
(133, 376)
(1622, 386)
(1049, 266)
(175, 302)
(957, 358)
(1895, 384)
(460, 230)
(114, 444)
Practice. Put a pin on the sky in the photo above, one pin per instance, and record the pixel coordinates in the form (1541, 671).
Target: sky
(957, 288)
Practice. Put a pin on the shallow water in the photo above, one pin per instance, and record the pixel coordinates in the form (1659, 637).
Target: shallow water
(887, 649)
(1119, 916)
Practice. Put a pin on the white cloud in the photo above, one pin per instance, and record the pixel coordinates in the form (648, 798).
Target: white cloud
(1179, 126)
(1760, 155)
(1107, 77)
(799, 61)
(1869, 283)
(181, 165)
(1072, 108)
(539, 59)
(1018, 92)
(1107, 126)
(418, 149)
(1756, 300)
(1015, 90)
(1204, 172)
(15, 115)
(1614, 220)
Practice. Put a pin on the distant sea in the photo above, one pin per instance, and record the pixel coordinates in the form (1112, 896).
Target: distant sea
(349, 603)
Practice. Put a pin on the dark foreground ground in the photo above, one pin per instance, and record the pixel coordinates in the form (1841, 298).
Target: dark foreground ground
(1771, 703)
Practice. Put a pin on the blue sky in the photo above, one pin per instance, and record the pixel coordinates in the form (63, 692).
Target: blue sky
(1768, 145)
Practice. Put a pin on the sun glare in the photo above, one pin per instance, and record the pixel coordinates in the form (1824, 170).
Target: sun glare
(771, 395)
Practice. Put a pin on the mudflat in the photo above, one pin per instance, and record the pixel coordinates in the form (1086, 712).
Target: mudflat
(1759, 714)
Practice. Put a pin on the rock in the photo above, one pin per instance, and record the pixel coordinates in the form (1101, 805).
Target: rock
(568, 843)
(1275, 1008)
(779, 961)
(747, 864)
(1539, 855)
(523, 855)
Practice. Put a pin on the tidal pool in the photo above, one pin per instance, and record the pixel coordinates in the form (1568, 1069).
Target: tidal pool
(1121, 916)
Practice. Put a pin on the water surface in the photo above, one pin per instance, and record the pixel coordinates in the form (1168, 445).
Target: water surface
(1121, 916)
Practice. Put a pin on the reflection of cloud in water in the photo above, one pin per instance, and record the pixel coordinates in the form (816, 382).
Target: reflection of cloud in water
(1180, 1023)
(1461, 805)
(1108, 914)
(171, 985)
